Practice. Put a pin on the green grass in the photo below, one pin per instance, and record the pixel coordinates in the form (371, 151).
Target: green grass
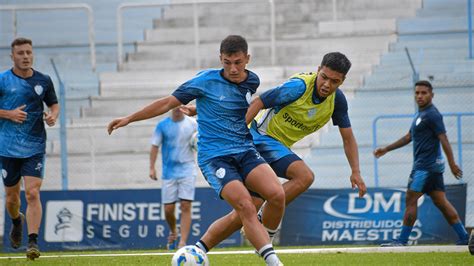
(432, 258)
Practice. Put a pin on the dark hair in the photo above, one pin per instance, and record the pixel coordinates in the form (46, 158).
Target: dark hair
(21, 41)
(233, 44)
(337, 62)
(424, 83)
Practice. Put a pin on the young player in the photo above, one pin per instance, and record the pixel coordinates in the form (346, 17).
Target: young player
(226, 154)
(23, 139)
(179, 171)
(427, 132)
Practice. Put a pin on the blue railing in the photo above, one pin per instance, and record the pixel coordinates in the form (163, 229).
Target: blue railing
(458, 116)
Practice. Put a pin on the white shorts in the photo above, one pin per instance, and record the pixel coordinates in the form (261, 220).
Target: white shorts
(173, 190)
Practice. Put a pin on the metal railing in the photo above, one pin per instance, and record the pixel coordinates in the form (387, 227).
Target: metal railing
(62, 128)
(86, 7)
(458, 116)
(194, 3)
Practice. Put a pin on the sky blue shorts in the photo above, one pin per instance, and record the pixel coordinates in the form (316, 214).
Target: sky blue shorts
(14, 168)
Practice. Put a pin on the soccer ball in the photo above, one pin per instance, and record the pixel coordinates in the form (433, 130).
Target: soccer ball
(193, 141)
(190, 256)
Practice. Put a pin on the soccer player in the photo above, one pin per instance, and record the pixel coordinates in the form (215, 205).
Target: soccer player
(226, 154)
(293, 110)
(23, 139)
(427, 132)
(178, 171)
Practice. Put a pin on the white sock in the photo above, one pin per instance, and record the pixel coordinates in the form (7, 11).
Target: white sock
(269, 255)
(272, 233)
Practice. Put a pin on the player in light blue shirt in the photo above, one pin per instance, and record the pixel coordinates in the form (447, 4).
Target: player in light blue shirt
(23, 91)
(427, 132)
(178, 176)
(226, 155)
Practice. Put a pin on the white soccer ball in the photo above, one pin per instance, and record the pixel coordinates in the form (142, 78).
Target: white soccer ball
(193, 142)
(190, 256)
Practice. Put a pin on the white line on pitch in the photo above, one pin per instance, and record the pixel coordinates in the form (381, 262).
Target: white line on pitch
(407, 249)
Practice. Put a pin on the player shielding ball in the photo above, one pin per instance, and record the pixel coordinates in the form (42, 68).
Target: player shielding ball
(227, 156)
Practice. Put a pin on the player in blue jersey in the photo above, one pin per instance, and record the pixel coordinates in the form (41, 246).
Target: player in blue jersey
(291, 111)
(226, 154)
(178, 176)
(427, 132)
(23, 139)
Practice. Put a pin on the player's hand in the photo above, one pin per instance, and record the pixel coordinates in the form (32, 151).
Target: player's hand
(153, 174)
(49, 118)
(379, 152)
(457, 172)
(357, 181)
(117, 123)
(18, 115)
(189, 110)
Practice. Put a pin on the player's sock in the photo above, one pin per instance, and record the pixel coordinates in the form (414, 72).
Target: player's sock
(269, 255)
(17, 221)
(272, 233)
(202, 246)
(460, 231)
(405, 234)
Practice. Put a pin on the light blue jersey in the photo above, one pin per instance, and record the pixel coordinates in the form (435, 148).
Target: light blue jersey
(177, 155)
(221, 107)
(28, 138)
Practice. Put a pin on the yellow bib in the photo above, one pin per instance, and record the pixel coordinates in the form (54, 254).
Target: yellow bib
(298, 119)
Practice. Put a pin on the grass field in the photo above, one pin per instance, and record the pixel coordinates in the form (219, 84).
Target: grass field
(300, 256)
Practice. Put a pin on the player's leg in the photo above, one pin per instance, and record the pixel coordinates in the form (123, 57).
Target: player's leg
(237, 195)
(185, 222)
(34, 212)
(222, 228)
(300, 177)
(186, 191)
(264, 181)
(450, 214)
(11, 181)
(169, 197)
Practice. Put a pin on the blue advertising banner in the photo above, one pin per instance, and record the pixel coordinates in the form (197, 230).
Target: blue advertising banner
(328, 217)
(116, 219)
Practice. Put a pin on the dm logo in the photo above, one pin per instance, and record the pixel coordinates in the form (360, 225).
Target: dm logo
(63, 221)
(38, 89)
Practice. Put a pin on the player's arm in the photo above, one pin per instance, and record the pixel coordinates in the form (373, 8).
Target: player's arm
(153, 156)
(457, 172)
(51, 116)
(16, 115)
(156, 108)
(352, 154)
(379, 152)
(255, 106)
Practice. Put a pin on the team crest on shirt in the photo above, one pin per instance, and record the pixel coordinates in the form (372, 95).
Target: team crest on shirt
(220, 173)
(38, 89)
(4, 173)
(248, 97)
(311, 112)
(418, 121)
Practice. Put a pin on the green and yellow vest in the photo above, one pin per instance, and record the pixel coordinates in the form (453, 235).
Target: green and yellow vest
(298, 119)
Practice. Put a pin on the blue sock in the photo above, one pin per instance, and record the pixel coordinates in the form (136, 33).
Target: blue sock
(405, 234)
(460, 230)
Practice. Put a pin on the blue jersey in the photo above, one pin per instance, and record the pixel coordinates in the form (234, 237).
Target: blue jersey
(177, 155)
(28, 138)
(221, 107)
(293, 89)
(426, 127)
